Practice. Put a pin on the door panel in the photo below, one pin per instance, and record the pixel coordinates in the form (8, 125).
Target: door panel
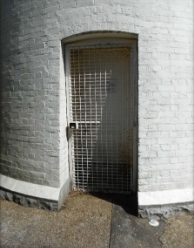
(101, 104)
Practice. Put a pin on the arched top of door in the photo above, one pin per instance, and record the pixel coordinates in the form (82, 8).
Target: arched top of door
(100, 37)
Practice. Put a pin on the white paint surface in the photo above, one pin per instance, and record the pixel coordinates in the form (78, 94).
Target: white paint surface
(29, 189)
(165, 197)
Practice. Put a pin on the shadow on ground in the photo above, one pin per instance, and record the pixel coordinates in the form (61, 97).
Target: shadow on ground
(92, 221)
(127, 202)
(128, 231)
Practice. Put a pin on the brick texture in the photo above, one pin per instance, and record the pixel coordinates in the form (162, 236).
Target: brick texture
(33, 142)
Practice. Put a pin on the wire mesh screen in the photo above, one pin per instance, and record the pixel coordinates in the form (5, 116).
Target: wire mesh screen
(101, 104)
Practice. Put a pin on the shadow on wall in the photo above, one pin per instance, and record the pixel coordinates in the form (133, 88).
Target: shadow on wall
(10, 94)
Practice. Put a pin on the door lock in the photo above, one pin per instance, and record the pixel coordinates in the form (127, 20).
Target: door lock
(73, 125)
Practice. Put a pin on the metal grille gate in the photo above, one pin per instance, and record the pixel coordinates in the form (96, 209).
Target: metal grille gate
(101, 107)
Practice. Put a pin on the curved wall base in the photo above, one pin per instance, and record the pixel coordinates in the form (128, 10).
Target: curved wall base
(165, 211)
(163, 204)
(33, 195)
(158, 204)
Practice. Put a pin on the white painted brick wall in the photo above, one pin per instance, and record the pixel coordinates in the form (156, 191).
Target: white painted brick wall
(34, 145)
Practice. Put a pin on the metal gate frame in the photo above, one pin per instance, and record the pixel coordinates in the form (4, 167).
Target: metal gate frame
(103, 43)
